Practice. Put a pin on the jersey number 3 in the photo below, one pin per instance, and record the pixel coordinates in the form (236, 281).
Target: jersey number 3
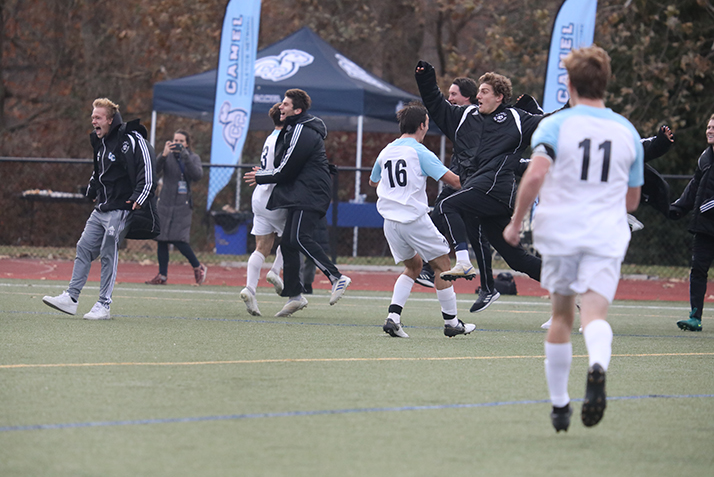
(606, 148)
(399, 174)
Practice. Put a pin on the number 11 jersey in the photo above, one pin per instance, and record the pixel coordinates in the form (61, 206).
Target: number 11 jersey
(595, 155)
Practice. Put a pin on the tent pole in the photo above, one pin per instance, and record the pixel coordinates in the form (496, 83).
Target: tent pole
(152, 138)
(358, 180)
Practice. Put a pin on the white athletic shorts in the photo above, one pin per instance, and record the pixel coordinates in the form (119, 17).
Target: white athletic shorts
(265, 221)
(420, 236)
(268, 221)
(576, 274)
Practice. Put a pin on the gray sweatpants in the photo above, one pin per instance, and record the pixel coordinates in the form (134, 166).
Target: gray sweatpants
(101, 237)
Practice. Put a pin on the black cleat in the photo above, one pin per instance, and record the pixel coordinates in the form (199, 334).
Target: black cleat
(595, 399)
(560, 417)
(426, 277)
(484, 299)
(394, 329)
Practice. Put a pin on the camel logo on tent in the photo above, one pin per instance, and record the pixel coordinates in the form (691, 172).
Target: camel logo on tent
(234, 121)
(354, 71)
(283, 66)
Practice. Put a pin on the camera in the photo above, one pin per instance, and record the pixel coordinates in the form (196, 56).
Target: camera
(176, 147)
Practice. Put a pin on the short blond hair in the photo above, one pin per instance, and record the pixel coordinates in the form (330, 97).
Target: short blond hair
(589, 71)
(106, 103)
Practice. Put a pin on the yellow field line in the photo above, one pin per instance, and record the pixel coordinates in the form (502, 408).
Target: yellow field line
(323, 360)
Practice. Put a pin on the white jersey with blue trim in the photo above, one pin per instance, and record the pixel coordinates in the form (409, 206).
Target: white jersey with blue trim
(401, 170)
(595, 154)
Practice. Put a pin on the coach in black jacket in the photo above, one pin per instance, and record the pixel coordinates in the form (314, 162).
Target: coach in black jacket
(698, 197)
(122, 182)
(488, 142)
(303, 186)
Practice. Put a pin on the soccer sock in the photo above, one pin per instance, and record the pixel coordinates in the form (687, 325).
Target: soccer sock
(447, 300)
(255, 262)
(278, 263)
(462, 256)
(558, 357)
(400, 295)
(395, 313)
(598, 340)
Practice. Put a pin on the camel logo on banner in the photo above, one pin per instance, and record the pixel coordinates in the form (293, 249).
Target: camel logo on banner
(354, 71)
(283, 66)
(234, 122)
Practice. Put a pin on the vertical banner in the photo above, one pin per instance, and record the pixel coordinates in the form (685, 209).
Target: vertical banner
(234, 90)
(574, 28)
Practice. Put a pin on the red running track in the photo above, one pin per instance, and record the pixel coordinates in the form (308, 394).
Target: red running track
(377, 279)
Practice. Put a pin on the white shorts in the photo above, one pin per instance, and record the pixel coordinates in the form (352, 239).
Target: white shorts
(420, 236)
(576, 274)
(266, 222)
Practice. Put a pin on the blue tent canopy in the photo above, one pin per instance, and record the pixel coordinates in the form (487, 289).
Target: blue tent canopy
(341, 91)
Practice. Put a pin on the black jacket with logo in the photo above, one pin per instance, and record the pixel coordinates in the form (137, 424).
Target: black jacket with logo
(302, 172)
(487, 147)
(123, 169)
(698, 196)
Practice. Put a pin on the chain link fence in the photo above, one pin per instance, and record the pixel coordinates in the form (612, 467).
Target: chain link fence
(44, 211)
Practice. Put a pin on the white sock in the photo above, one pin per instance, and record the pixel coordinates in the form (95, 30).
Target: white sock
(278, 263)
(395, 317)
(462, 256)
(558, 357)
(255, 263)
(598, 340)
(402, 290)
(447, 300)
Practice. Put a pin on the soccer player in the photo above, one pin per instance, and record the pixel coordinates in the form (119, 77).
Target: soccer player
(411, 234)
(267, 224)
(587, 170)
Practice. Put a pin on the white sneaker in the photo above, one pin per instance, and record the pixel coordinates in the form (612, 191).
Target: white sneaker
(460, 270)
(294, 304)
(99, 311)
(251, 304)
(338, 288)
(547, 324)
(63, 303)
(275, 280)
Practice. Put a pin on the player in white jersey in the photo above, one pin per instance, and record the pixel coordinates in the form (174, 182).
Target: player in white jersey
(267, 224)
(409, 230)
(587, 170)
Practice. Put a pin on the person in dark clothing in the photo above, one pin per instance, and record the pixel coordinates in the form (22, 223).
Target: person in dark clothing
(488, 143)
(118, 148)
(180, 166)
(303, 187)
(307, 266)
(698, 197)
(463, 92)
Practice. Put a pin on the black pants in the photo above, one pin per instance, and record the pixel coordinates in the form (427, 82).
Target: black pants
(468, 204)
(479, 243)
(298, 237)
(163, 255)
(702, 258)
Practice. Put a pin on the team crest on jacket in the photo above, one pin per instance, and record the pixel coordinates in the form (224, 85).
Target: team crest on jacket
(125, 147)
(111, 157)
(500, 117)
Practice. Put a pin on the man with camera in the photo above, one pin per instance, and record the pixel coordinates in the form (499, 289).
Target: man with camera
(180, 166)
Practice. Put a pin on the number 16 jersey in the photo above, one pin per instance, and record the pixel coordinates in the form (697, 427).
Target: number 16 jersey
(595, 155)
(401, 170)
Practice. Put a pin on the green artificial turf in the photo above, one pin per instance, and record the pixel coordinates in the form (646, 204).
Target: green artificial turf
(182, 381)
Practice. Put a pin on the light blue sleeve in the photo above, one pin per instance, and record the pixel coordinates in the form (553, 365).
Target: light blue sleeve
(547, 132)
(376, 174)
(430, 164)
(637, 171)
